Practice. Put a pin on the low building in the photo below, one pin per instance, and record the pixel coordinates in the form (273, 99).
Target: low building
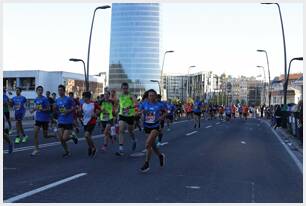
(28, 80)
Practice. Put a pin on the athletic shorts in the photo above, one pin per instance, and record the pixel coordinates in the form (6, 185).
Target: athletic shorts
(65, 126)
(128, 120)
(245, 114)
(44, 125)
(7, 115)
(89, 128)
(105, 123)
(19, 116)
(149, 130)
(170, 117)
(197, 113)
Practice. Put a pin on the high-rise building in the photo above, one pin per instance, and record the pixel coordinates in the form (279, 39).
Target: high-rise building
(135, 46)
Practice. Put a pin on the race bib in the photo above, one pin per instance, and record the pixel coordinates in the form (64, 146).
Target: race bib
(105, 116)
(17, 106)
(150, 117)
(62, 109)
(38, 106)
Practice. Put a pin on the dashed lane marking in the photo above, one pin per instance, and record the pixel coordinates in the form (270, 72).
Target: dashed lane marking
(209, 126)
(190, 133)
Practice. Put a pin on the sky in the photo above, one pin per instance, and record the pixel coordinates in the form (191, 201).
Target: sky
(218, 37)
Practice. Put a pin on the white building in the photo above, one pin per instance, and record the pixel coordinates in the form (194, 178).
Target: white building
(28, 80)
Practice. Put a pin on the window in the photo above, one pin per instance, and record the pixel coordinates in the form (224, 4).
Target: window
(9, 83)
(27, 83)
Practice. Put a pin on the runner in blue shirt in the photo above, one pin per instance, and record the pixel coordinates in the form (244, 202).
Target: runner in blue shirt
(170, 113)
(162, 121)
(153, 112)
(64, 107)
(18, 103)
(42, 117)
(197, 111)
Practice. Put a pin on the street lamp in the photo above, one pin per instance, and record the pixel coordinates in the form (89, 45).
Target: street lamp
(158, 84)
(85, 73)
(188, 80)
(261, 50)
(287, 77)
(162, 70)
(284, 44)
(264, 82)
(93, 18)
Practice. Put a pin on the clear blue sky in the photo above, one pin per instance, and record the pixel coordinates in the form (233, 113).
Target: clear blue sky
(222, 37)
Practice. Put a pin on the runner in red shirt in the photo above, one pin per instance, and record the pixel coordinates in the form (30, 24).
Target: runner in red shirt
(90, 111)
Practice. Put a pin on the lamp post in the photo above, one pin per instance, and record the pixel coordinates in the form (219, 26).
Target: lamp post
(162, 70)
(287, 77)
(85, 73)
(284, 44)
(188, 79)
(157, 83)
(269, 87)
(88, 53)
(264, 82)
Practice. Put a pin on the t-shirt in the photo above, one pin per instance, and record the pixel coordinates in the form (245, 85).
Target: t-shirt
(42, 103)
(170, 108)
(51, 102)
(152, 113)
(197, 106)
(108, 108)
(62, 104)
(88, 110)
(5, 103)
(126, 105)
(227, 110)
(18, 104)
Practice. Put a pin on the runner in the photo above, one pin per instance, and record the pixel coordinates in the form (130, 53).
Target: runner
(74, 114)
(137, 116)
(90, 111)
(64, 108)
(197, 112)
(42, 117)
(7, 139)
(228, 112)
(170, 110)
(18, 103)
(245, 110)
(234, 109)
(240, 111)
(221, 112)
(162, 121)
(106, 118)
(51, 112)
(153, 112)
(6, 110)
(126, 117)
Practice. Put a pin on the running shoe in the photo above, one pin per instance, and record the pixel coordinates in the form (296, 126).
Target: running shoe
(35, 152)
(168, 129)
(17, 140)
(89, 151)
(103, 148)
(25, 139)
(66, 154)
(162, 160)
(158, 144)
(145, 168)
(10, 148)
(120, 153)
(134, 145)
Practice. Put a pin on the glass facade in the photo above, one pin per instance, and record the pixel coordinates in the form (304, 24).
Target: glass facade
(135, 46)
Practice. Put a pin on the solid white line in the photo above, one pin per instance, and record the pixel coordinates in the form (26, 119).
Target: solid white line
(295, 159)
(164, 143)
(191, 133)
(209, 126)
(41, 189)
(193, 187)
(217, 122)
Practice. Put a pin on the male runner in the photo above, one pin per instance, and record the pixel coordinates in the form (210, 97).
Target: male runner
(197, 112)
(170, 113)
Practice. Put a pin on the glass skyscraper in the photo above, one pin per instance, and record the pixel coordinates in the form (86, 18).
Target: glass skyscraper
(135, 46)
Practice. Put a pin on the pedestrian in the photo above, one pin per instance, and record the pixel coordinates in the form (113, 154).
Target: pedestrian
(18, 102)
(153, 112)
(64, 107)
(278, 116)
(6, 110)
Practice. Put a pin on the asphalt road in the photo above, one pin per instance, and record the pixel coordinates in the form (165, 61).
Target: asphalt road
(222, 162)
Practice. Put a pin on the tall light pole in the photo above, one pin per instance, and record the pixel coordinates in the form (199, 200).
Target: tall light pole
(269, 90)
(287, 76)
(157, 83)
(85, 73)
(92, 23)
(284, 44)
(188, 80)
(264, 82)
(162, 71)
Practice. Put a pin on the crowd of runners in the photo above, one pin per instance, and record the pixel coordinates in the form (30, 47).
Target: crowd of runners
(114, 113)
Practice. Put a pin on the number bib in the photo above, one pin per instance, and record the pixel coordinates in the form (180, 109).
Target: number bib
(105, 116)
(62, 109)
(150, 117)
(126, 111)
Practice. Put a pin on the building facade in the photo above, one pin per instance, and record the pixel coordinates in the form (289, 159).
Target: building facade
(28, 80)
(135, 46)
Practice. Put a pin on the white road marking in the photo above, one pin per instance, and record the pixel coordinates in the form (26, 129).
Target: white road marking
(144, 151)
(253, 192)
(164, 143)
(9, 168)
(137, 154)
(209, 126)
(193, 187)
(188, 134)
(41, 189)
(243, 142)
(217, 122)
(295, 159)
